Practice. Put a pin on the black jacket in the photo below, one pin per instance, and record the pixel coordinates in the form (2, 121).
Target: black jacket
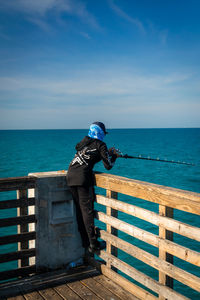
(89, 152)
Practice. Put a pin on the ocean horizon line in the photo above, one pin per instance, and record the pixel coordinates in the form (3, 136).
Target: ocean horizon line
(113, 128)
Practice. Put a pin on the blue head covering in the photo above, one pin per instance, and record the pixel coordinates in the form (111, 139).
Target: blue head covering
(96, 132)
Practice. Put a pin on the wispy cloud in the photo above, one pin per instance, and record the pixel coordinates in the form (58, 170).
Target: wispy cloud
(130, 88)
(126, 17)
(85, 35)
(124, 98)
(39, 22)
(38, 12)
(150, 28)
(161, 34)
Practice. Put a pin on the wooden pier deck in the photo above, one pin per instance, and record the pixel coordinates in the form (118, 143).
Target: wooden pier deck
(80, 283)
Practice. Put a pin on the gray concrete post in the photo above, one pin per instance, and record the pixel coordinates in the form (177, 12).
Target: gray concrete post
(58, 241)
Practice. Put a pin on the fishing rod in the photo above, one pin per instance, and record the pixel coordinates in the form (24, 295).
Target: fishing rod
(120, 154)
(156, 159)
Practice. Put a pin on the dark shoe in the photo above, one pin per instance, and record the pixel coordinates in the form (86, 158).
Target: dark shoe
(97, 231)
(96, 247)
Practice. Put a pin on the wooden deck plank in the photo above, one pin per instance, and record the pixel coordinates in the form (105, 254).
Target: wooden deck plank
(50, 294)
(45, 280)
(67, 293)
(100, 290)
(33, 296)
(114, 288)
(84, 292)
(19, 297)
(76, 286)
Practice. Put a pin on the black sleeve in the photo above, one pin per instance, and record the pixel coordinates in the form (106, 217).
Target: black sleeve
(108, 160)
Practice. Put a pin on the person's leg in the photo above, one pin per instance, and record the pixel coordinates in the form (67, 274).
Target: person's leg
(86, 201)
(79, 218)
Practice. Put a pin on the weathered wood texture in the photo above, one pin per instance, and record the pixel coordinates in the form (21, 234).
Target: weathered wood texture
(15, 238)
(152, 239)
(16, 183)
(23, 202)
(79, 283)
(155, 262)
(165, 235)
(181, 228)
(171, 197)
(17, 272)
(90, 288)
(142, 278)
(23, 254)
(121, 281)
(114, 213)
(168, 199)
(21, 184)
(22, 228)
(17, 221)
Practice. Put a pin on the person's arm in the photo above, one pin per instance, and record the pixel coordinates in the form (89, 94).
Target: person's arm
(108, 156)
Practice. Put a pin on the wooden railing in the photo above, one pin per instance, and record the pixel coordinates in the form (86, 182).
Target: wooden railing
(22, 221)
(168, 200)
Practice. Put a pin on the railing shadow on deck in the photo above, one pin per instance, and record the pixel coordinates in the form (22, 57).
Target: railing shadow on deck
(167, 198)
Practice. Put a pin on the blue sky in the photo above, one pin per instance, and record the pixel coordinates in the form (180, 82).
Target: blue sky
(67, 63)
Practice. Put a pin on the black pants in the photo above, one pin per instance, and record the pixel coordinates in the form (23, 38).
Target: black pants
(84, 201)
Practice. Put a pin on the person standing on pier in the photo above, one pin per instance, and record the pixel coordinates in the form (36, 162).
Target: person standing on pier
(80, 178)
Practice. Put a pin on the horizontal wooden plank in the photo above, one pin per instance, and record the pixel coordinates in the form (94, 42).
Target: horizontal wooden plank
(171, 197)
(119, 280)
(66, 293)
(49, 294)
(15, 238)
(181, 252)
(181, 228)
(115, 288)
(17, 272)
(32, 296)
(101, 291)
(141, 278)
(17, 220)
(19, 297)
(132, 230)
(155, 262)
(22, 202)
(17, 183)
(126, 284)
(83, 291)
(17, 255)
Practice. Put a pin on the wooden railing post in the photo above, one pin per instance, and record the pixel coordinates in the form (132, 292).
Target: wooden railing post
(31, 226)
(167, 235)
(23, 228)
(114, 213)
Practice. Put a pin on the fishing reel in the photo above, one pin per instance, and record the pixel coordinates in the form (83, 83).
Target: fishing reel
(115, 151)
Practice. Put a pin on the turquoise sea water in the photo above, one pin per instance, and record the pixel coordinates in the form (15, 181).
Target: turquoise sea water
(29, 151)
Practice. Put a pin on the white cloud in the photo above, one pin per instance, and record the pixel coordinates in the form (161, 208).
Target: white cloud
(125, 99)
(36, 11)
(89, 88)
(36, 7)
(161, 34)
(85, 35)
(42, 24)
(125, 16)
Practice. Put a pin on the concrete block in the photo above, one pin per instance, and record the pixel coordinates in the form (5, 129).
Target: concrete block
(58, 241)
